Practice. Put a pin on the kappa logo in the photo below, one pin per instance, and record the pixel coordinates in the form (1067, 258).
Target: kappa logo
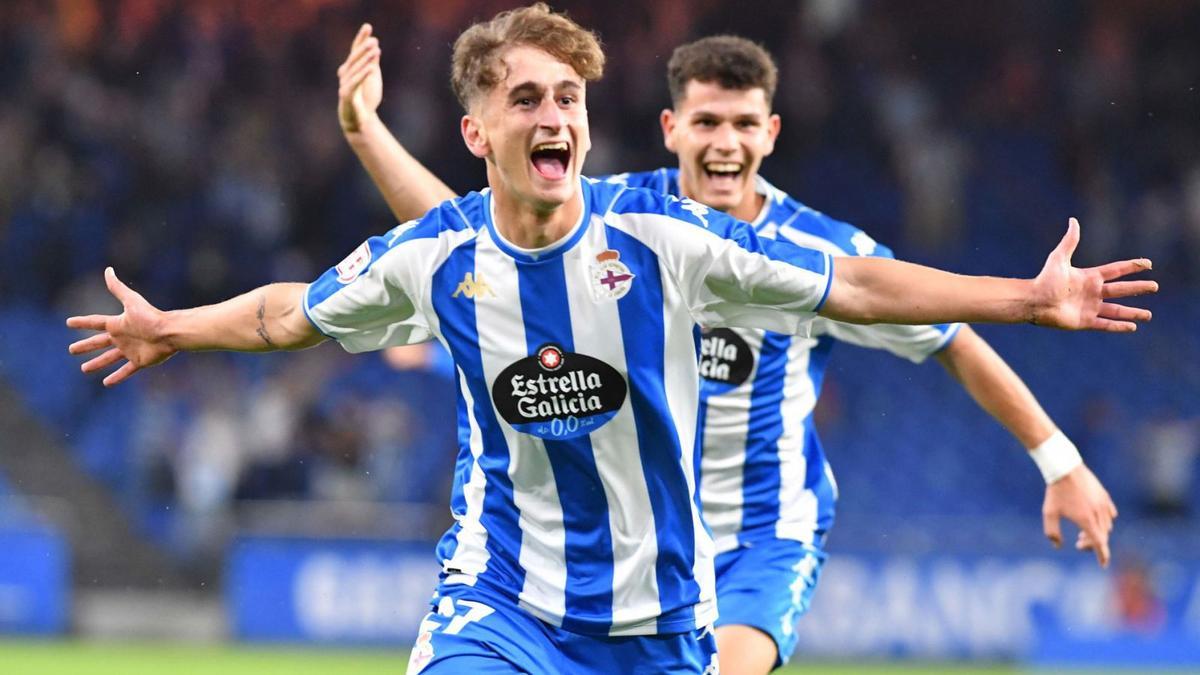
(611, 279)
(863, 243)
(473, 287)
(696, 209)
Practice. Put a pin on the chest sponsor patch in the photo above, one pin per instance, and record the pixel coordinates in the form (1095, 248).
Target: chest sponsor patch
(725, 359)
(556, 394)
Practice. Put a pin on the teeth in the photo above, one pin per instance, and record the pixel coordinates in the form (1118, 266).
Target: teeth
(723, 167)
(561, 145)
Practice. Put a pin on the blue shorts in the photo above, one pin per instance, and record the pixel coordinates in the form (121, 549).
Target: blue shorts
(472, 630)
(768, 585)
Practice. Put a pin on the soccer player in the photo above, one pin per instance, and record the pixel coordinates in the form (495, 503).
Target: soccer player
(569, 307)
(766, 488)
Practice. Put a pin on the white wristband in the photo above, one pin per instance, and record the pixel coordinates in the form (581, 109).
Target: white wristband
(1056, 457)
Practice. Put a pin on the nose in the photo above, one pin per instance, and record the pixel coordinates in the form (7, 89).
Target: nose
(549, 114)
(725, 138)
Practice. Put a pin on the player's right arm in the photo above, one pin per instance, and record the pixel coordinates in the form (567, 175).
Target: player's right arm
(406, 185)
(265, 319)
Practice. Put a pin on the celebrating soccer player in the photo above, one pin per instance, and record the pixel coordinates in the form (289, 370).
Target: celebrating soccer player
(569, 307)
(766, 488)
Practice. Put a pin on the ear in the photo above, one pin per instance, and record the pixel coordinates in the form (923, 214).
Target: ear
(668, 120)
(773, 126)
(475, 136)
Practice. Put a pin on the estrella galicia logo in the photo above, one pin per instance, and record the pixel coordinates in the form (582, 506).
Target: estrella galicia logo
(556, 394)
(725, 359)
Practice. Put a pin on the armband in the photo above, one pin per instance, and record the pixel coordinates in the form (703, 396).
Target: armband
(1056, 457)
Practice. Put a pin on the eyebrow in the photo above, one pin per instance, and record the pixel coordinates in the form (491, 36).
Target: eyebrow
(531, 87)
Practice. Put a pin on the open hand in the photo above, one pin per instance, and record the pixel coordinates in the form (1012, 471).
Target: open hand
(133, 335)
(1080, 498)
(360, 82)
(1074, 298)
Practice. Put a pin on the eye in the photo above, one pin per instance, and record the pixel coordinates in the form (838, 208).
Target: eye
(706, 123)
(747, 124)
(523, 102)
(566, 100)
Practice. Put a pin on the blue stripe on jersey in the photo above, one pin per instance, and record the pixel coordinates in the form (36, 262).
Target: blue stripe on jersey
(499, 514)
(816, 478)
(643, 336)
(462, 472)
(546, 313)
(558, 247)
(761, 480)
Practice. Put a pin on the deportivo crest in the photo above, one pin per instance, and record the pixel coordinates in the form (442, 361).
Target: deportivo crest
(611, 279)
(354, 264)
(556, 394)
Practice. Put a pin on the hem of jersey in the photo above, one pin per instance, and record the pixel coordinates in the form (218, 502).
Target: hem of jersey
(553, 250)
(803, 535)
(304, 308)
(947, 338)
(828, 282)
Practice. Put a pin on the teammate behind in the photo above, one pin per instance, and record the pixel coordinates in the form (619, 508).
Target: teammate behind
(569, 308)
(766, 488)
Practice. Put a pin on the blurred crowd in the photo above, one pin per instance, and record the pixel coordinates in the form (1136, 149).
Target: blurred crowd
(194, 146)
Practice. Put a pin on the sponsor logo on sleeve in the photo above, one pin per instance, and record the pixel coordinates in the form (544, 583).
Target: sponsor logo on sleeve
(725, 360)
(354, 264)
(556, 394)
(611, 279)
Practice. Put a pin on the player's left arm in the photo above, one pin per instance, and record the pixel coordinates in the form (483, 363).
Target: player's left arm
(1072, 490)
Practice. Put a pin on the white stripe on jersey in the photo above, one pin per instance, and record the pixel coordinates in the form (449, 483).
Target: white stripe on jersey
(543, 537)
(635, 585)
(798, 504)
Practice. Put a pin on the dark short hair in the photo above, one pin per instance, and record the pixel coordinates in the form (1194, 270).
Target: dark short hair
(728, 60)
(476, 63)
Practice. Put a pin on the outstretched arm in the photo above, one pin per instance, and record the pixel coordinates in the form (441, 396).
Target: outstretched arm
(265, 319)
(1072, 490)
(874, 290)
(408, 187)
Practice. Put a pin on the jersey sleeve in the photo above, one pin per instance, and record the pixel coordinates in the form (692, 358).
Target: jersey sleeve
(371, 300)
(730, 277)
(915, 343)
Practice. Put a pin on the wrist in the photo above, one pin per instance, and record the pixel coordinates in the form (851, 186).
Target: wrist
(1056, 457)
(365, 125)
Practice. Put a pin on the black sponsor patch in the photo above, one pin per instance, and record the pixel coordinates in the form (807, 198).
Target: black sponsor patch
(556, 394)
(725, 358)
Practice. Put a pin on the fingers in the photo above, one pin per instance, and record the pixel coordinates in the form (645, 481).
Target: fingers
(121, 374)
(1052, 529)
(90, 344)
(354, 76)
(1070, 240)
(103, 361)
(358, 55)
(1094, 537)
(1127, 289)
(1121, 268)
(1111, 310)
(364, 32)
(1110, 326)
(89, 322)
(119, 290)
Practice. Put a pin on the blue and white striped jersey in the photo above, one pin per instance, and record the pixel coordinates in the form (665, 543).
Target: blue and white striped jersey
(575, 489)
(763, 472)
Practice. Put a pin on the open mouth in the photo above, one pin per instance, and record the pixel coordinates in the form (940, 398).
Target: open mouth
(723, 171)
(551, 159)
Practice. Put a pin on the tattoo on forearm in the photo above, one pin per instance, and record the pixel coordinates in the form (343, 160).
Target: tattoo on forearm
(262, 323)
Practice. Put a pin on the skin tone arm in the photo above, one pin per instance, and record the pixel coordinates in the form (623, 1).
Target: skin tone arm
(406, 185)
(876, 290)
(265, 319)
(1078, 496)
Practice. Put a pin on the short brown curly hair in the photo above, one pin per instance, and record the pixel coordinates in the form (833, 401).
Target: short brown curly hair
(476, 63)
(730, 61)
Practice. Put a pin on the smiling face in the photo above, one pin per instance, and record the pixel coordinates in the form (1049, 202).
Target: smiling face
(532, 128)
(721, 136)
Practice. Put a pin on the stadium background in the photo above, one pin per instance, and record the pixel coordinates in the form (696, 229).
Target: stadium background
(293, 498)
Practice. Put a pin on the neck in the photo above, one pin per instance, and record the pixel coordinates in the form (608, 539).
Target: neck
(530, 225)
(749, 208)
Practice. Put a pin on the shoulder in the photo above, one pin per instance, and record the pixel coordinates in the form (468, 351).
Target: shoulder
(663, 180)
(806, 226)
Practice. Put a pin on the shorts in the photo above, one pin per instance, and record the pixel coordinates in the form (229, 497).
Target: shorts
(768, 585)
(472, 630)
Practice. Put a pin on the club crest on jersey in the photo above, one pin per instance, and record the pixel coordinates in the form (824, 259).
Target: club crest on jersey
(422, 653)
(354, 264)
(555, 394)
(725, 360)
(611, 279)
